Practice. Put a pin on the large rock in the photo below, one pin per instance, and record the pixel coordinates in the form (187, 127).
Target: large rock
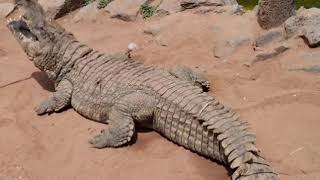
(188, 4)
(88, 12)
(235, 9)
(305, 24)
(5, 8)
(207, 9)
(126, 10)
(269, 53)
(230, 2)
(169, 7)
(270, 37)
(58, 8)
(273, 13)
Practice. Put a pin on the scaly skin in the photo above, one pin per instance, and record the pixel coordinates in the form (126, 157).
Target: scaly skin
(124, 93)
(187, 74)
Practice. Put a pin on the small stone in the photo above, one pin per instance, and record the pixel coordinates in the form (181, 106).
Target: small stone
(124, 9)
(169, 7)
(88, 12)
(152, 30)
(133, 46)
(161, 42)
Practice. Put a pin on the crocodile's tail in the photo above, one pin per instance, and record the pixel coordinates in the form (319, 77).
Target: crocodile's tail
(200, 123)
(236, 143)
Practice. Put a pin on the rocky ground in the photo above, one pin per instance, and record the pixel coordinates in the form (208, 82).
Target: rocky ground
(273, 85)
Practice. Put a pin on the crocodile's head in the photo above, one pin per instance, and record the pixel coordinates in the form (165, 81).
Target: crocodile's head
(34, 32)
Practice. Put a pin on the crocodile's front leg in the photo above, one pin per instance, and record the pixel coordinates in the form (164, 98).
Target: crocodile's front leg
(60, 99)
(135, 108)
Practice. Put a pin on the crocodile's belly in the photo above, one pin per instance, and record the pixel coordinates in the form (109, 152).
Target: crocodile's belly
(92, 105)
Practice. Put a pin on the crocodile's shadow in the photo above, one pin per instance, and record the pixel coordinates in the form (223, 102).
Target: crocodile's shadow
(44, 81)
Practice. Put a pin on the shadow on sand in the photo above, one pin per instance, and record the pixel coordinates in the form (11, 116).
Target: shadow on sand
(43, 80)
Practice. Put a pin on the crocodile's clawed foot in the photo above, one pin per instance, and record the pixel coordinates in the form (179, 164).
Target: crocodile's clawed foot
(100, 141)
(46, 107)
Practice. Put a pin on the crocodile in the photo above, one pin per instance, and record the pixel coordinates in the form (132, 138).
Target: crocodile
(125, 94)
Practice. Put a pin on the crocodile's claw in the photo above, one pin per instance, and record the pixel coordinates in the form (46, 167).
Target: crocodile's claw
(46, 107)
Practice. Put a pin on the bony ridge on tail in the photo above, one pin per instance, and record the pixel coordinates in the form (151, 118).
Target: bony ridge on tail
(124, 93)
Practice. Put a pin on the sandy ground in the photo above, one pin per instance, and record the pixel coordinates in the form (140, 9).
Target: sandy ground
(282, 106)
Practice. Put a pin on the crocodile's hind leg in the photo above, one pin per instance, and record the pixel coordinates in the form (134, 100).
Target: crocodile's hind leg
(133, 108)
(120, 130)
(194, 78)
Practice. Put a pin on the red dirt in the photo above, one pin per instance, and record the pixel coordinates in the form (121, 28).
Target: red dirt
(282, 106)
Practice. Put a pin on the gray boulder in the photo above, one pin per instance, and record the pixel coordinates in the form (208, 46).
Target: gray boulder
(236, 9)
(88, 12)
(169, 7)
(188, 4)
(58, 8)
(273, 13)
(126, 10)
(230, 2)
(207, 9)
(305, 24)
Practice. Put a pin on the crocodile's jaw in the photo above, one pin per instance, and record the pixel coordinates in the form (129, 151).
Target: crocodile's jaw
(34, 32)
(27, 40)
(24, 22)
